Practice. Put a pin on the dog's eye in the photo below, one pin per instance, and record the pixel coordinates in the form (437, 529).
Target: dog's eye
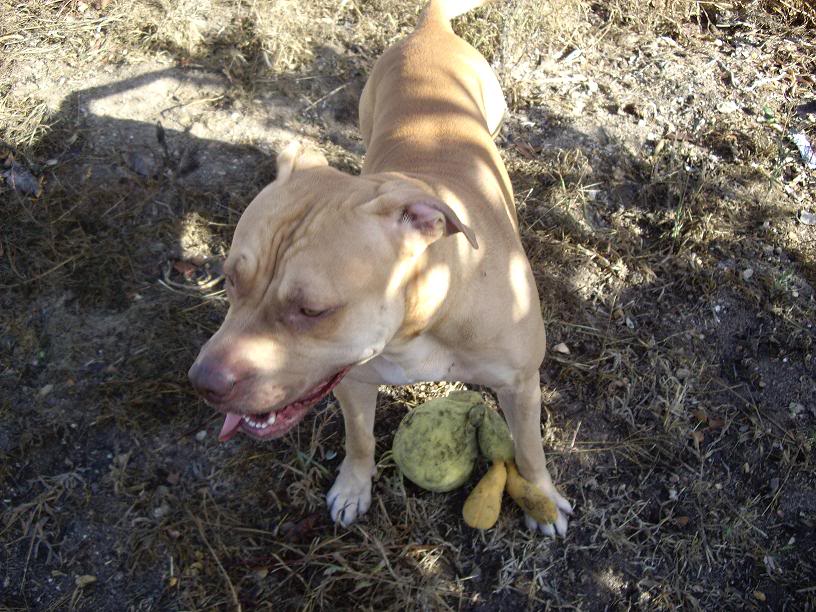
(311, 313)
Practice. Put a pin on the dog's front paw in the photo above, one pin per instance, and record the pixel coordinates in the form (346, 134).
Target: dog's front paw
(563, 510)
(350, 496)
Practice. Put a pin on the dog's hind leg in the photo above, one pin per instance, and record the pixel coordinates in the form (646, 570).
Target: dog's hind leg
(521, 405)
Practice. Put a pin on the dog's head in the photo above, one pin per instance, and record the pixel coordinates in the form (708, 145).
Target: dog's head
(316, 280)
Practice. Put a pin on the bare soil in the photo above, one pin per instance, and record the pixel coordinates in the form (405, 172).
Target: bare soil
(663, 206)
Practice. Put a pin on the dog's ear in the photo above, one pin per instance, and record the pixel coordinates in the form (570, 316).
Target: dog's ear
(417, 217)
(297, 157)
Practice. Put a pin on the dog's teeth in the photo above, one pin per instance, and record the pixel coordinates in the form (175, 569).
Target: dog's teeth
(251, 422)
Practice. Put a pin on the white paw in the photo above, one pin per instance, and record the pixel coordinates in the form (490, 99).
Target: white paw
(350, 496)
(564, 509)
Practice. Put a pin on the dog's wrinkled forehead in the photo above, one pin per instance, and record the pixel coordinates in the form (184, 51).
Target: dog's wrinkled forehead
(305, 228)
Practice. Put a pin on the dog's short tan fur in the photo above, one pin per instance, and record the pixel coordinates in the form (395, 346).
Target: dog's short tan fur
(412, 271)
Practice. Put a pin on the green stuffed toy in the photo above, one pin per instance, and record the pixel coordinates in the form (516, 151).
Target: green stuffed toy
(436, 447)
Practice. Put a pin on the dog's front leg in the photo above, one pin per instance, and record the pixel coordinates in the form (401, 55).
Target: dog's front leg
(350, 496)
(521, 405)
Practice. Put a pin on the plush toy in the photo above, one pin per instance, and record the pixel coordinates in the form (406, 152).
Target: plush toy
(436, 447)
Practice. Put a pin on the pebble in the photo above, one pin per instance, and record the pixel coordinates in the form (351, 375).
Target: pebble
(46, 390)
(727, 107)
(747, 273)
(201, 435)
(161, 511)
(561, 348)
(807, 218)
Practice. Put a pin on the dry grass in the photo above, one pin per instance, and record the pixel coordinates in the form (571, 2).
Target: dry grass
(664, 238)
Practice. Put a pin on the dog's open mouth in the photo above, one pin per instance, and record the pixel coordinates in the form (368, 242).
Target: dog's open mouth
(274, 424)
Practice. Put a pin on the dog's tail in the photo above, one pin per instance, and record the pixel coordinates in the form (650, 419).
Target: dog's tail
(444, 10)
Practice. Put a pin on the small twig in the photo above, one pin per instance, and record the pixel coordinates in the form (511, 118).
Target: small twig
(217, 561)
(191, 103)
(326, 97)
(575, 435)
(40, 276)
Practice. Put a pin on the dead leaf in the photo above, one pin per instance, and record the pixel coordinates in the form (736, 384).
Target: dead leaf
(262, 572)
(698, 437)
(681, 521)
(525, 149)
(716, 423)
(85, 580)
(700, 415)
(185, 268)
(301, 530)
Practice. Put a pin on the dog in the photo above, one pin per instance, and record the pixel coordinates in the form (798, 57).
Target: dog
(413, 271)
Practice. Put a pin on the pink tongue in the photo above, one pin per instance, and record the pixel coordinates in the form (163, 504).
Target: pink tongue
(231, 424)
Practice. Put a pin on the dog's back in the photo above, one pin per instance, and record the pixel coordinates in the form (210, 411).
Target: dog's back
(418, 115)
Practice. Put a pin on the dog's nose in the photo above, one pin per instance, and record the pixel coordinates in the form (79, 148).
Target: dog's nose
(214, 382)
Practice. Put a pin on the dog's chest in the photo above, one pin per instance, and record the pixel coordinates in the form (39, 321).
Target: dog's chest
(421, 359)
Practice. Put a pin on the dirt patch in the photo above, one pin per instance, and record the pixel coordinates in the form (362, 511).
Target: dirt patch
(660, 199)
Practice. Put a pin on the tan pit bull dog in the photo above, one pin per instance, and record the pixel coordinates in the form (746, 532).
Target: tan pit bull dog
(411, 272)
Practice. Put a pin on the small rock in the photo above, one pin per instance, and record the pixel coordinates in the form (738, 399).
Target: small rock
(21, 180)
(561, 348)
(142, 162)
(759, 596)
(796, 408)
(729, 106)
(46, 390)
(807, 218)
(161, 511)
(747, 273)
(201, 435)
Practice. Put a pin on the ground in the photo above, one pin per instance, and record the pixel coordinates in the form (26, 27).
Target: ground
(663, 205)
